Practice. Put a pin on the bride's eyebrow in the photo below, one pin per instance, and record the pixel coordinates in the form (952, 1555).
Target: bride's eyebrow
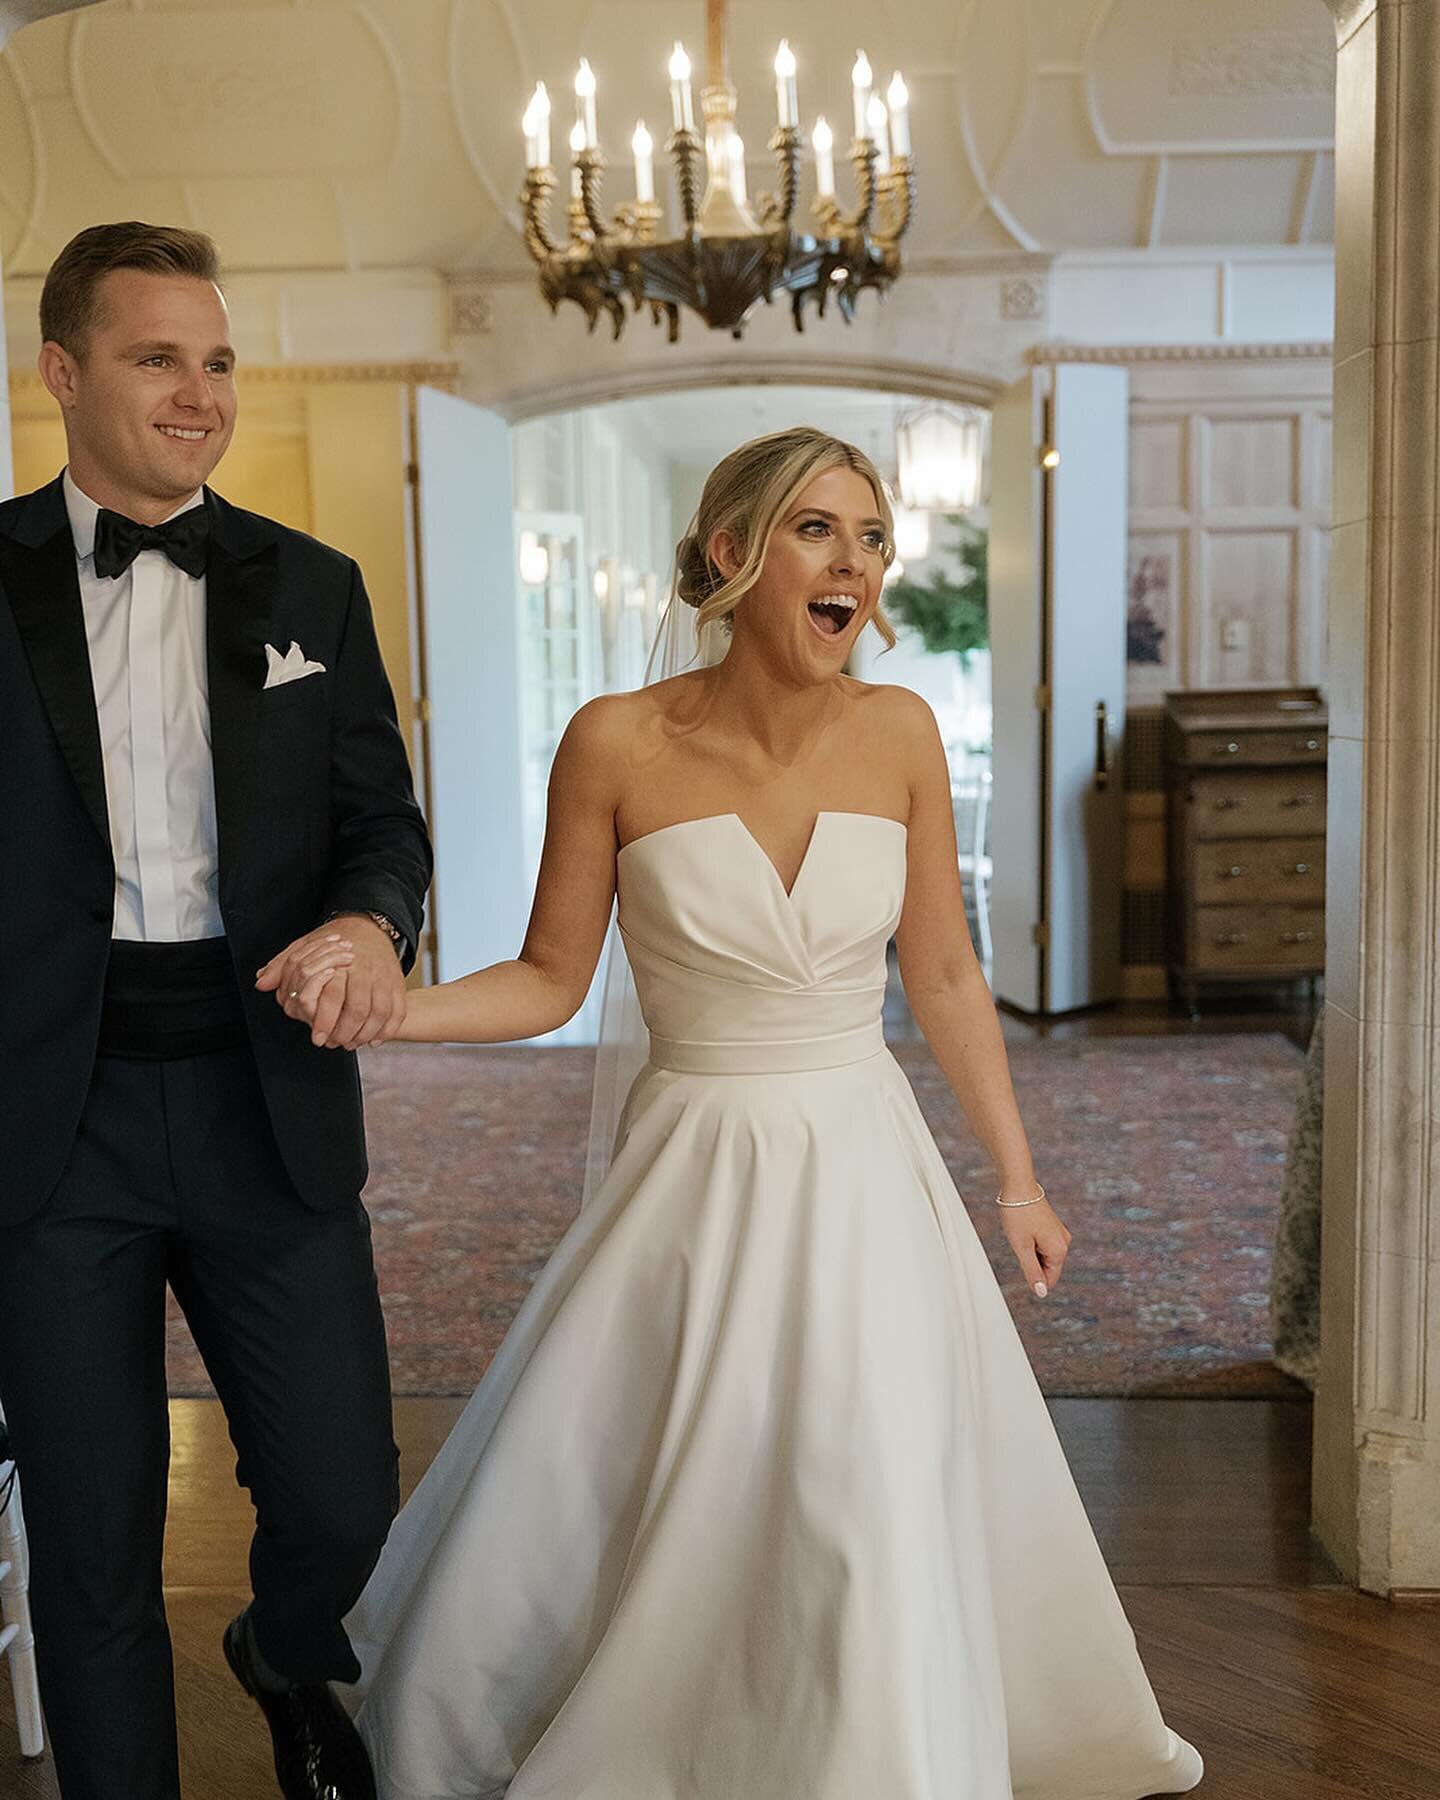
(819, 512)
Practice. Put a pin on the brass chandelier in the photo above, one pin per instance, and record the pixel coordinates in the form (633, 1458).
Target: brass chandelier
(730, 254)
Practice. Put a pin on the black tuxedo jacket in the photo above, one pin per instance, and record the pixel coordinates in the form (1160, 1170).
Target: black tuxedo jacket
(316, 812)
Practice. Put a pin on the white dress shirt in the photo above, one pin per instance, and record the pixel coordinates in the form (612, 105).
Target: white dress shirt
(146, 632)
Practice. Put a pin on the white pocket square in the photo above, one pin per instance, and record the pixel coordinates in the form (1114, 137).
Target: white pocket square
(292, 666)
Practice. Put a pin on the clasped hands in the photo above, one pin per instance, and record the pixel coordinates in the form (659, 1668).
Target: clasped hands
(344, 980)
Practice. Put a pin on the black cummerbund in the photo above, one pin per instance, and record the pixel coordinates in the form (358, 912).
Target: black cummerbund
(169, 1000)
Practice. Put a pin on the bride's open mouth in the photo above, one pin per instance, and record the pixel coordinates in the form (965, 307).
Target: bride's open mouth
(832, 613)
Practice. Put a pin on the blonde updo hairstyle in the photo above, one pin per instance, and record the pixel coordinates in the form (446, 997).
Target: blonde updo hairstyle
(746, 494)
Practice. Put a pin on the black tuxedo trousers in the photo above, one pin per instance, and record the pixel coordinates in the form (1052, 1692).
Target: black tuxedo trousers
(232, 1177)
(175, 1179)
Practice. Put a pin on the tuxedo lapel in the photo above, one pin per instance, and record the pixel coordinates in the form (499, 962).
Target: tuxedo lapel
(38, 576)
(239, 598)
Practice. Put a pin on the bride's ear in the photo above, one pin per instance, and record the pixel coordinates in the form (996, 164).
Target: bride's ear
(725, 553)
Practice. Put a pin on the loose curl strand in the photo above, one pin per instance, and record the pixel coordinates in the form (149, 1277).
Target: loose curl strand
(746, 494)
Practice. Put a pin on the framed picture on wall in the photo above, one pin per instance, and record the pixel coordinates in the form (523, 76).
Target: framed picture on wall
(1151, 615)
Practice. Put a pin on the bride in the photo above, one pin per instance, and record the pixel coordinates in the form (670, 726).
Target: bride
(759, 1499)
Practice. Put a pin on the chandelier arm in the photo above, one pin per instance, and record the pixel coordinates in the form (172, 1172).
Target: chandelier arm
(535, 200)
(897, 199)
(590, 164)
(864, 155)
(685, 147)
(786, 145)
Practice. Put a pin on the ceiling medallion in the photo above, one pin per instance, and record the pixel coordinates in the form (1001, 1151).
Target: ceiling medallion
(731, 255)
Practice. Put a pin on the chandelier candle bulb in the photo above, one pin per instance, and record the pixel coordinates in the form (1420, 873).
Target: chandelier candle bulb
(644, 147)
(824, 140)
(681, 99)
(787, 98)
(577, 144)
(878, 120)
(861, 80)
(585, 104)
(898, 96)
(537, 129)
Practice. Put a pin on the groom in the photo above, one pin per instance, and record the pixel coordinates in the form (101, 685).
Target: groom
(202, 773)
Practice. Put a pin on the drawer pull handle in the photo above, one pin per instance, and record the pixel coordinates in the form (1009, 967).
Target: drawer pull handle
(1299, 800)
(1232, 937)
(1231, 872)
(1296, 937)
(1309, 744)
(1299, 869)
(1225, 801)
(1230, 749)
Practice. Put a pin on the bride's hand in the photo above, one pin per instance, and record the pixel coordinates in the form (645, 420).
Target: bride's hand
(314, 974)
(1040, 1242)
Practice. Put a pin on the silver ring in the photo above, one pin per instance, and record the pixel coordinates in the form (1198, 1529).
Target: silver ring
(294, 993)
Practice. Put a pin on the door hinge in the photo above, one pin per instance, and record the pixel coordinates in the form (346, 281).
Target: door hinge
(422, 708)
(1040, 935)
(412, 474)
(1042, 697)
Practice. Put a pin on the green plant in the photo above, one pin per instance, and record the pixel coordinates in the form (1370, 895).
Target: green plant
(949, 612)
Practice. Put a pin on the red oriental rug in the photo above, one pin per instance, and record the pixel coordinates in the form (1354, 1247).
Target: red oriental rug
(1164, 1156)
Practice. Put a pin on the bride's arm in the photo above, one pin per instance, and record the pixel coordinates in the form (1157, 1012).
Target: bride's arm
(949, 996)
(545, 985)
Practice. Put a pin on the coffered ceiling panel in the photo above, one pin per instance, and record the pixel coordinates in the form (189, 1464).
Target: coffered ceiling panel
(384, 133)
(1228, 73)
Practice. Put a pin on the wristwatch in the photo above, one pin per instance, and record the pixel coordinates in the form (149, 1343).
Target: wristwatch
(391, 930)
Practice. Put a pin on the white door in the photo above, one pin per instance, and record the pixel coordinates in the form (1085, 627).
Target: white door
(1016, 670)
(1089, 494)
(1059, 490)
(471, 656)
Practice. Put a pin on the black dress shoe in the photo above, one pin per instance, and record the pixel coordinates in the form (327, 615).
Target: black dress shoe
(318, 1752)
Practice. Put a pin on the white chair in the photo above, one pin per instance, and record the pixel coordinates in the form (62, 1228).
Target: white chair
(970, 802)
(17, 1641)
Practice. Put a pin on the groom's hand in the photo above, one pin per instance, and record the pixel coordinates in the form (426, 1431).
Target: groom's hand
(362, 1002)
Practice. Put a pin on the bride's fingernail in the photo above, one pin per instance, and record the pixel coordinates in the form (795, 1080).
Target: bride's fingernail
(1041, 1289)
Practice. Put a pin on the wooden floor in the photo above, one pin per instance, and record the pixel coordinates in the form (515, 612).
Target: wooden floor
(1293, 1687)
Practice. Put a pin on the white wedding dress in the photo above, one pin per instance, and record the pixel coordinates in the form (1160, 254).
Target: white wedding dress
(759, 1499)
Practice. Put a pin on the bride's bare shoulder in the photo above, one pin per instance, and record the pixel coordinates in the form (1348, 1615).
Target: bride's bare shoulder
(620, 725)
(883, 707)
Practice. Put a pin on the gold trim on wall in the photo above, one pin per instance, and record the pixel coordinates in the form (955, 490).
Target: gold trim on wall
(1178, 353)
(444, 375)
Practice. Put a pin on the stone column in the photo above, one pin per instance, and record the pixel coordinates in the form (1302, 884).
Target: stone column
(1377, 1413)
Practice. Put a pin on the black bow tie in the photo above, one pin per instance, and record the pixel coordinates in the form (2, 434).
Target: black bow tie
(185, 540)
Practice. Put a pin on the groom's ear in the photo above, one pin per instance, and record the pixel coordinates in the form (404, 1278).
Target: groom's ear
(59, 371)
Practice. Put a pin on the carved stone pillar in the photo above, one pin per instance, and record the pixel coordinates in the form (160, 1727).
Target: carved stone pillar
(1377, 1414)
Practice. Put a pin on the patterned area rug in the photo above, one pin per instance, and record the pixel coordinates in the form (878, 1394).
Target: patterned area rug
(1162, 1155)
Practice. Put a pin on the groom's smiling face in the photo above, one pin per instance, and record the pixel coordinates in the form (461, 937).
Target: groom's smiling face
(149, 400)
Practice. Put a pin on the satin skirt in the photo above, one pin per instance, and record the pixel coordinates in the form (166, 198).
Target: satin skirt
(759, 1499)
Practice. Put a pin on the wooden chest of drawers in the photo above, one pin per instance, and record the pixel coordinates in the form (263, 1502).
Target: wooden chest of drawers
(1245, 828)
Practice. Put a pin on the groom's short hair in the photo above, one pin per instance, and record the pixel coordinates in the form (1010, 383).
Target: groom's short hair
(69, 299)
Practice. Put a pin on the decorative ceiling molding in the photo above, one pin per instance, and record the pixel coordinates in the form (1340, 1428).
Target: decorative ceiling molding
(924, 381)
(1042, 354)
(373, 134)
(1287, 69)
(16, 14)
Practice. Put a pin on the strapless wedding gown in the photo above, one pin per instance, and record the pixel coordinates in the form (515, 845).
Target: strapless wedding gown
(759, 1499)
